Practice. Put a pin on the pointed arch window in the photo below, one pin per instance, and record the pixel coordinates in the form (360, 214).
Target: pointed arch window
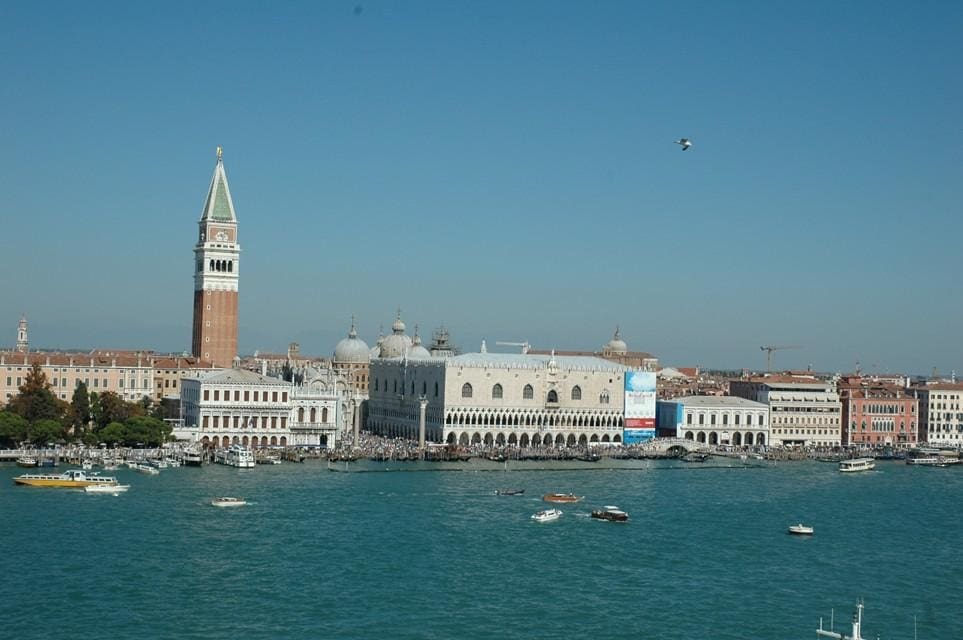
(553, 396)
(497, 392)
(604, 397)
(436, 389)
(576, 392)
(466, 390)
(528, 393)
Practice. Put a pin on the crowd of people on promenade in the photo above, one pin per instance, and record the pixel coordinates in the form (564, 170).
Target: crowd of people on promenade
(375, 447)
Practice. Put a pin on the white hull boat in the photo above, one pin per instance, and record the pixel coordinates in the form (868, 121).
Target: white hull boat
(113, 490)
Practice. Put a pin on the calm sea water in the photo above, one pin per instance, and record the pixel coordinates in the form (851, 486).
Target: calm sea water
(418, 552)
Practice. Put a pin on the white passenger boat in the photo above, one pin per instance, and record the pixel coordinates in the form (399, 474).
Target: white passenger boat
(240, 457)
(114, 490)
(800, 530)
(933, 461)
(546, 515)
(227, 501)
(143, 468)
(857, 464)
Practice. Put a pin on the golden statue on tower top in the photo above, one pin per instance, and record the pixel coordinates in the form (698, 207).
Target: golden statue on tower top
(220, 152)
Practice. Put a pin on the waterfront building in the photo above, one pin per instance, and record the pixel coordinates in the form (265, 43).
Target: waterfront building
(236, 406)
(132, 375)
(877, 413)
(803, 410)
(497, 398)
(615, 350)
(722, 420)
(941, 418)
(216, 274)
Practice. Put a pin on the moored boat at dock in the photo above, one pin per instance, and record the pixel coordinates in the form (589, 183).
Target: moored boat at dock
(71, 479)
(26, 461)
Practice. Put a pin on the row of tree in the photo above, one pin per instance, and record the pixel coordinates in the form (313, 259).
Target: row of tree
(37, 416)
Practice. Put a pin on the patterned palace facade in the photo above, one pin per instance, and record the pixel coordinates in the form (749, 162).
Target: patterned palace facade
(496, 398)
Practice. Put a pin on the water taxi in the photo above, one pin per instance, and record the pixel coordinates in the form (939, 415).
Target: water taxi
(114, 489)
(800, 530)
(72, 479)
(546, 515)
(26, 461)
(227, 501)
(857, 464)
(610, 513)
(561, 497)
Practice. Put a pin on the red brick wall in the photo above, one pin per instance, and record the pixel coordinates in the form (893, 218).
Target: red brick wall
(215, 326)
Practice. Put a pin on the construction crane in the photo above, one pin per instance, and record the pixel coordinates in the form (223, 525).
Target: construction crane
(524, 345)
(769, 349)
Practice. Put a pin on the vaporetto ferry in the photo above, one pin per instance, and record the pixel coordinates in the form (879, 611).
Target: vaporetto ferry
(72, 479)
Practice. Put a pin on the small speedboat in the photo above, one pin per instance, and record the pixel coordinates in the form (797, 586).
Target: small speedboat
(561, 497)
(111, 489)
(610, 513)
(143, 468)
(227, 501)
(509, 492)
(546, 515)
(800, 530)
(26, 461)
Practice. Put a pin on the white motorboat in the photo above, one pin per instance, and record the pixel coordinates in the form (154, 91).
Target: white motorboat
(546, 515)
(143, 468)
(114, 490)
(800, 530)
(857, 464)
(227, 501)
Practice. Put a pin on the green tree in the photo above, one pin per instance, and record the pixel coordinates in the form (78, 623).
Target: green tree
(13, 429)
(113, 433)
(113, 408)
(79, 414)
(46, 430)
(147, 430)
(35, 400)
(95, 411)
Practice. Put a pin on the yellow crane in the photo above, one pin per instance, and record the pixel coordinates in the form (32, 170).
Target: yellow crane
(770, 348)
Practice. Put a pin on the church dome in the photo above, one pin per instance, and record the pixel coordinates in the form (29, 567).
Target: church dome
(397, 344)
(617, 344)
(352, 349)
(417, 351)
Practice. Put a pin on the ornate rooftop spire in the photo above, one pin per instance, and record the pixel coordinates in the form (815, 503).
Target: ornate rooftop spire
(219, 206)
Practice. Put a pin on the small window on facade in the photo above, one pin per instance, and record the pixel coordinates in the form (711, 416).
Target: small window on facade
(466, 390)
(528, 393)
(497, 392)
(552, 396)
(576, 392)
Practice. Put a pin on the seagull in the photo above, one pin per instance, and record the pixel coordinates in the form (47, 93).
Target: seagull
(684, 142)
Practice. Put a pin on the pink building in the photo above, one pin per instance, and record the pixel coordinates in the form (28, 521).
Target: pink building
(878, 414)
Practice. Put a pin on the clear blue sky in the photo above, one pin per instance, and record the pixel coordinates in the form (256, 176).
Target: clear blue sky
(506, 169)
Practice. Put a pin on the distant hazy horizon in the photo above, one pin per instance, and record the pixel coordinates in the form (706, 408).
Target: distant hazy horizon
(505, 170)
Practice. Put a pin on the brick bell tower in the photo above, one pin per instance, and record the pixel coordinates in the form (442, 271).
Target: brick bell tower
(216, 268)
